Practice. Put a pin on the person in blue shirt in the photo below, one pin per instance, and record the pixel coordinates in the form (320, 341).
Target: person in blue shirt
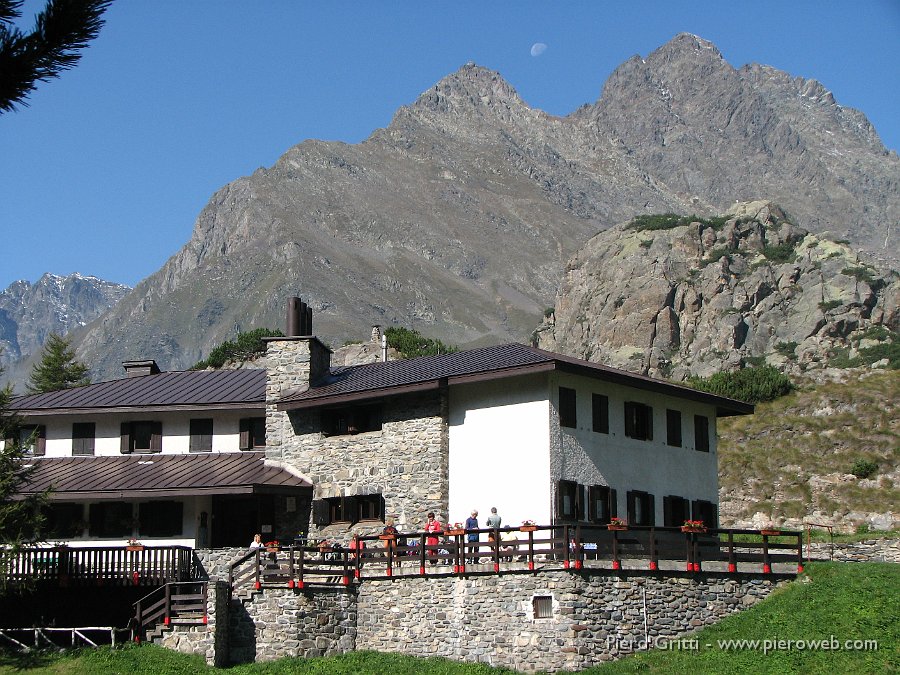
(472, 537)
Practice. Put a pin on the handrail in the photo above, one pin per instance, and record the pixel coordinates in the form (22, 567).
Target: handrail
(150, 609)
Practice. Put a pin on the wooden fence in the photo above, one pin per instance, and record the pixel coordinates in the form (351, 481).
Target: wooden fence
(593, 549)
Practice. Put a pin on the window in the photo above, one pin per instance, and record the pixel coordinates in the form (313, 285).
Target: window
(568, 416)
(542, 605)
(601, 504)
(110, 519)
(638, 421)
(705, 511)
(641, 508)
(570, 500)
(160, 519)
(83, 438)
(63, 520)
(33, 439)
(141, 437)
(351, 420)
(675, 511)
(348, 509)
(600, 413)
(201, 435)
(701, 433)
(253, 433)
(673, 428)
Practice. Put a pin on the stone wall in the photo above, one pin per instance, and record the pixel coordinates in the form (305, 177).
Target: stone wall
(406, 462)
(592, 618)
(871, 550)
(276, 623)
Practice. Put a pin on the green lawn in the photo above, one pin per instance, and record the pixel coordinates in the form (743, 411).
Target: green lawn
(846, 601)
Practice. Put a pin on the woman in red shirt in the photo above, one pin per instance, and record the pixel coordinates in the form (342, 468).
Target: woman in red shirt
(433, 525)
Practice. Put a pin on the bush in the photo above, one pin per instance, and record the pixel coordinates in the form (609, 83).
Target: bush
(864, 468)
(411, 343)
(667, 221)
(787, 349)
(245, 346)
(780, 253)
(752, 385)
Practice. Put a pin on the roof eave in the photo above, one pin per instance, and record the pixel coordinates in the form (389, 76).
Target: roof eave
(186, 407)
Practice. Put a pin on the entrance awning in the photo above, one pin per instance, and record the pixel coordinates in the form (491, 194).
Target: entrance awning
(158, 475)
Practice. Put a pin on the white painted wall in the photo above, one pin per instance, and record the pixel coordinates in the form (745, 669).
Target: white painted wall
(175, 429)
(500, 450)
(624, 463)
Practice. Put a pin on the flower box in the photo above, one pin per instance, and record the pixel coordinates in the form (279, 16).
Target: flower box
(693, 528)
(528, 528)
(387, 537)
(135, 547)
(618, 528)
(770, 533)
(454, 532)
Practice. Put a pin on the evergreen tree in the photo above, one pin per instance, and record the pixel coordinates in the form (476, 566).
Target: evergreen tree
(58, 368)
(20, 519)
(61, 29)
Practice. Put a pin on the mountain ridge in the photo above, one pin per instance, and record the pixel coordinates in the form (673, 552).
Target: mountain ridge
(457, 218)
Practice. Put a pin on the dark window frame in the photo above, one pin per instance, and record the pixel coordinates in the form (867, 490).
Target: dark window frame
(568, 408)
(638, 421)
(707, 511)
(701, 433)
(647, 503)
(542, 606)
(252, 433)
(84, 436)
(140, 437)
(676, 510)
(33, 439)
(605, 497)
(201, 432)
(350, 509)
(161, 518)
(600, 413)
(673, 428)
(351, 420)
(575, 491)
(103, 519)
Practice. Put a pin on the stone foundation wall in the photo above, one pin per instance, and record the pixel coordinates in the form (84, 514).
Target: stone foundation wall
(275, 623)
(871, 550)
(591, 619)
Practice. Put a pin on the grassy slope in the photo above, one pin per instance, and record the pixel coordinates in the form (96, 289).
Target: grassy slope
(849, 601)
(771, 456)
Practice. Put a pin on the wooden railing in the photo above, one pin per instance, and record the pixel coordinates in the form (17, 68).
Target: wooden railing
(176, 603)
(594, 549)
(99, 565)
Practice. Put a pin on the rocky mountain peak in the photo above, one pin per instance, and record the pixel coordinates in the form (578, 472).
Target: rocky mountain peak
(470, 86)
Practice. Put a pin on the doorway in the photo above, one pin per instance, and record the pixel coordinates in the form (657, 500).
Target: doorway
(235, 519)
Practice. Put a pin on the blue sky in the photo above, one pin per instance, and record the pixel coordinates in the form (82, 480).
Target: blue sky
(106, 170)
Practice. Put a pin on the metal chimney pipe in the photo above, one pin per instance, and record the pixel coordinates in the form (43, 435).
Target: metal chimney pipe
(302, 328)
(384, 348)
(309, 328)
(292, 324)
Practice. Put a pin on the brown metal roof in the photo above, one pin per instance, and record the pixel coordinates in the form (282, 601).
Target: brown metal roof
(188, 389)
(119, 476)
(377, 380)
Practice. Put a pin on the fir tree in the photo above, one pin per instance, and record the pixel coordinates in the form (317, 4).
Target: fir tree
(61, 29)
(58, 368)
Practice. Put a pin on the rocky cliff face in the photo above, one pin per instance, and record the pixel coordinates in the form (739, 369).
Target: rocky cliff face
(708, 296)
(54, 304)
(457, 219)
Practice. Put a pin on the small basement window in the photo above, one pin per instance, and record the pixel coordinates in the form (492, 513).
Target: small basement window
(542, 606)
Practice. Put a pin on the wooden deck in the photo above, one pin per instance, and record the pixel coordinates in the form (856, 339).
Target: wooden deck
(101, 565)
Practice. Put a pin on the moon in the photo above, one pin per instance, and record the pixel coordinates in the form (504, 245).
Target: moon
(538, 48)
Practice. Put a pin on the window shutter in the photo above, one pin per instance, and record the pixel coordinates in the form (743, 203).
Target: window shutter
(630, 497)
(156, 437)
(89, 441)
(40, 440)
(613, 504)
(629, 419)
(668, 511)
(321, 512)
(579, 502)
(245, 434)
(651, 509)
(649, 410)
(600, 413)
(125, 442)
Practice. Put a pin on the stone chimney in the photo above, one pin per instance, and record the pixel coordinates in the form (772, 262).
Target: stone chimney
(294, 363)
(138, 368)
